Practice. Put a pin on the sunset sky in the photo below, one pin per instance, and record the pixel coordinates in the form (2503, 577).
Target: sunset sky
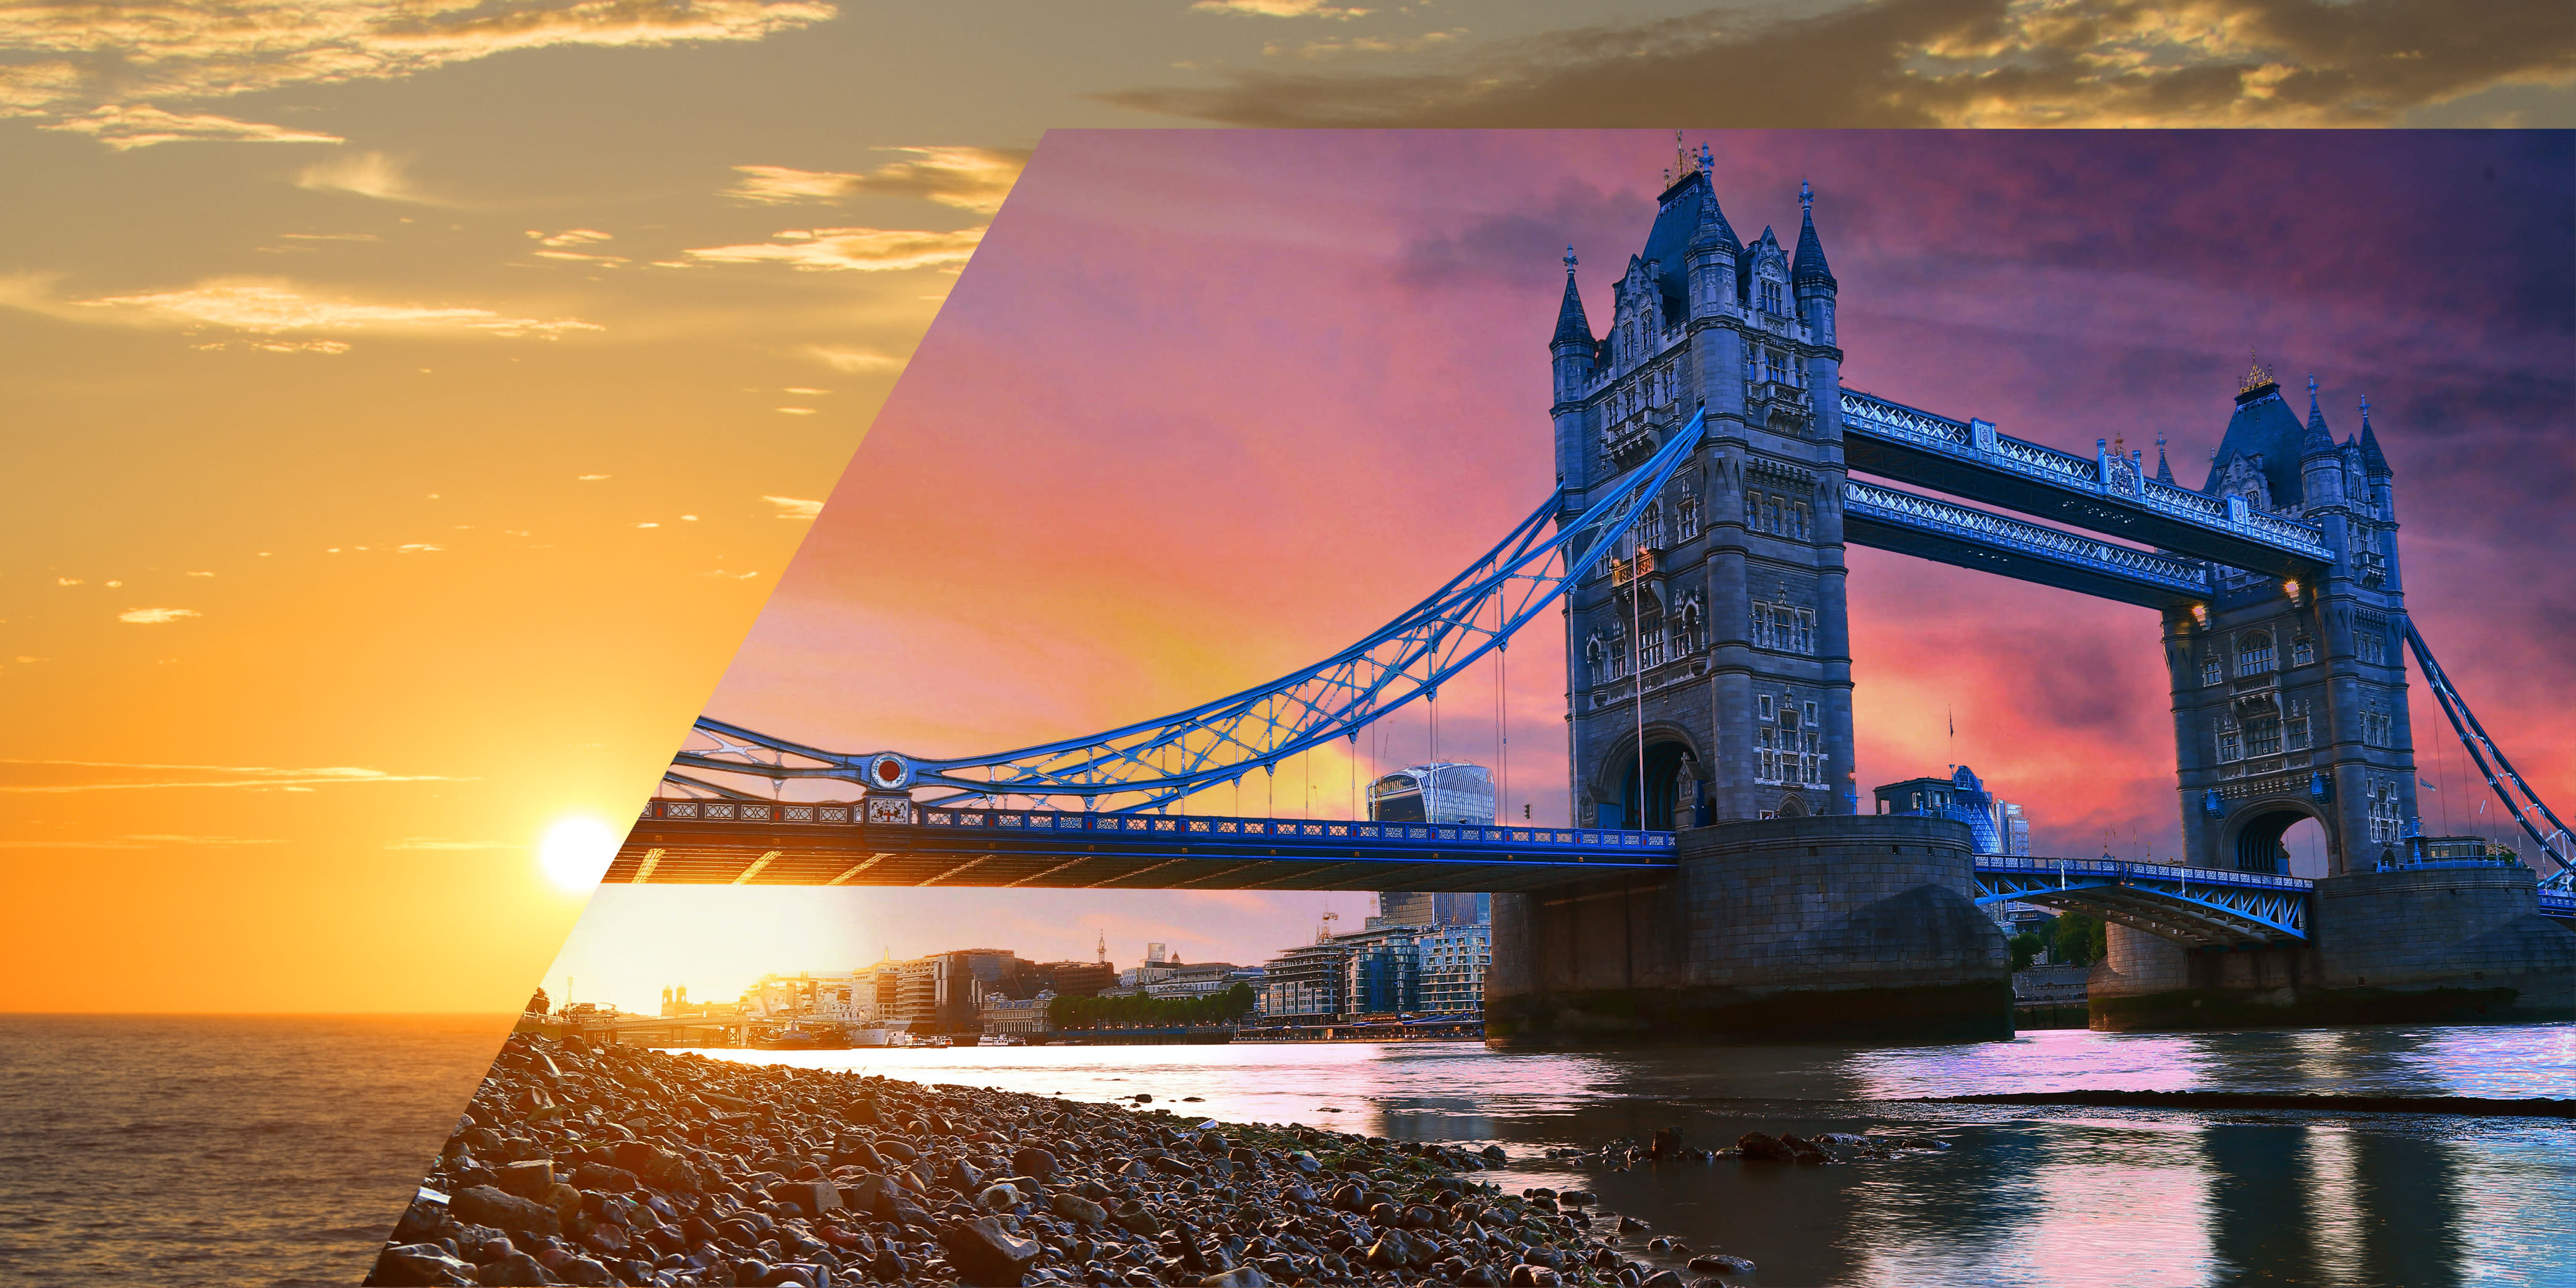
(410, 406)
(1207, 407)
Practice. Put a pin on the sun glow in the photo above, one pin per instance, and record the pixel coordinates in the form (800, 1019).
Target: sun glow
(577, 851)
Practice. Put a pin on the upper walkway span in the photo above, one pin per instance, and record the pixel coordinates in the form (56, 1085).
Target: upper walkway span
(2107, 494)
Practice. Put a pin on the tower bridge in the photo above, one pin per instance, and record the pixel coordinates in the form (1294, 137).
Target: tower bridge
(1718, 875)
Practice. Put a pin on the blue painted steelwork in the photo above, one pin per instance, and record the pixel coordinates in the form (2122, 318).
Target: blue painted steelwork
(1889, 519)
(1154, 763)
(755, 842)
(2558, 844)
(2106, 492)
(2209, 907)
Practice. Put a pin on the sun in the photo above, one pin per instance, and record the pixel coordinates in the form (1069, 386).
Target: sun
(576, 852)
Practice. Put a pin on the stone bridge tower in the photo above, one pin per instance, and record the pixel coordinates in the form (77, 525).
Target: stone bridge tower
(2289, 700)
(1716, 642)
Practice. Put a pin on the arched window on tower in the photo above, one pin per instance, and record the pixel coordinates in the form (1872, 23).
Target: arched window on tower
(2302, 651)
(1686, 511)
(2213, 670)
(2231, 744)
(2254, 654)
(1650, 528)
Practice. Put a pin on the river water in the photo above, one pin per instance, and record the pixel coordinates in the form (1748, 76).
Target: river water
(2025, 1195)
(162, 1150)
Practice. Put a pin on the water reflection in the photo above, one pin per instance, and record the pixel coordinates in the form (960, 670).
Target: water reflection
(2026, 1195)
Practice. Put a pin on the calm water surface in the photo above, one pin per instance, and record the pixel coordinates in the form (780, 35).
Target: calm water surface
(2036, 1196)
(277, 1150)
(182, 1150)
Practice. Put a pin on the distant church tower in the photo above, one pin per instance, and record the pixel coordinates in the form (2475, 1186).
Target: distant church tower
(1714, 649)
(2289, 700)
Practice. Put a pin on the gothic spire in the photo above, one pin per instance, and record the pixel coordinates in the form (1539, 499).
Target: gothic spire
(1571, 326)
(2164, 470)
(2318, 441)
(2372, 462)
(1809, 266)
(1713, 231)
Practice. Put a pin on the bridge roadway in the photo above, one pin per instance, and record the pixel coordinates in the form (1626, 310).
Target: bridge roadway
(736, 842)
(733, 842)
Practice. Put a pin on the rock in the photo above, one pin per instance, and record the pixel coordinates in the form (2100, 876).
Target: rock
(1032, 1162)
(1630, 1225)
(489, 1205)
(528, 1180)
(1760, 1148)
(517, 1270)
(1239, 1277)
(897, 1150)
(603, 1177)
(986, 1255)
(1718, 1263)
(813, 1198)
(1074, 1207)
(1493, 1154)
(998, 1198)
(1662, 1279)
(417, 1264)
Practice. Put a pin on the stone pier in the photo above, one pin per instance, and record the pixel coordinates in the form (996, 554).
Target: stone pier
(1844, 926)
(2413, 946)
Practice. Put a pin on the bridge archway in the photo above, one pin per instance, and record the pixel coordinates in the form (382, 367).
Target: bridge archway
(1671, 762)
(2256, 836)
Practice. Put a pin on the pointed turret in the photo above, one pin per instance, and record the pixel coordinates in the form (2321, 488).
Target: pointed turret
(2318, 440)
(1571, 326)
(1712, 253)
(2164, 468)
(2372, 462)
(1809, 265)
(1713, 232)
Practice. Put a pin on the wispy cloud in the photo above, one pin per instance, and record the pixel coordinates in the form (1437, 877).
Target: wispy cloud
(777, 185)
(101, 776)
(859, 249)
(968, 178)
(99, 68)
(791, 508)
(140, 841)
(365, 174)
(1939, 62)
(1279, 8)
(441, 843)
(155, 616)
(840, 358)
(265, 308)
(125, 127)
(560, 246)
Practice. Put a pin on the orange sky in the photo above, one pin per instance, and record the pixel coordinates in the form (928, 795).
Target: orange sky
(408, 415)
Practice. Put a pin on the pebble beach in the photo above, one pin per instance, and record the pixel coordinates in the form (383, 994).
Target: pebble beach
(613, 1165)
